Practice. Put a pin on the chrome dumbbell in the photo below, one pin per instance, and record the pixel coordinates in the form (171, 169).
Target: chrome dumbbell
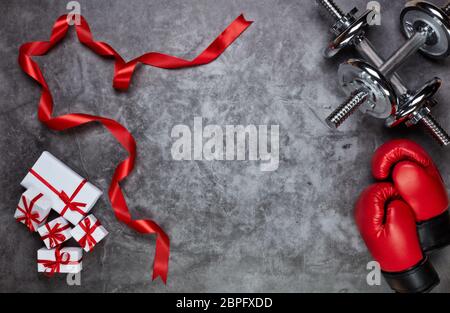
(368, 87)
(350, 31)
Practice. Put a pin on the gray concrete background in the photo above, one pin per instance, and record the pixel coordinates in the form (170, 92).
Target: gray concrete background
(233, 228)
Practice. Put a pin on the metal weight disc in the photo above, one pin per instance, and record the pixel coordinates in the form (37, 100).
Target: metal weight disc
(415, 102)
(347, 36)
(419, 14)
(356, 74)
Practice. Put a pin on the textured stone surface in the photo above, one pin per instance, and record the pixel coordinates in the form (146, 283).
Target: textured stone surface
(233, 228)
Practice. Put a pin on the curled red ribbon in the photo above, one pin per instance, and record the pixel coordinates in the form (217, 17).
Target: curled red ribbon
(88, 229)
(54, 234)
(28, 216)
(123, 72)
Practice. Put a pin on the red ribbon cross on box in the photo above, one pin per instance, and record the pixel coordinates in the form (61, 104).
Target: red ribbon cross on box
(88, 230)
(28, 216)
(54, 234)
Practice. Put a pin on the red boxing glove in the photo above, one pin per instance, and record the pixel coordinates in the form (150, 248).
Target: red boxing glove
(388, 227)
(419, 183)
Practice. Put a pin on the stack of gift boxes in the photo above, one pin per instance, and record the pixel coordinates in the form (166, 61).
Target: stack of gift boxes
(50, 184)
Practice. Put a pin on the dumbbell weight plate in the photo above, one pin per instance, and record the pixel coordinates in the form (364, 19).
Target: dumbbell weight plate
(356, 74)
(414, 103)
(347, 36)
(417, 14)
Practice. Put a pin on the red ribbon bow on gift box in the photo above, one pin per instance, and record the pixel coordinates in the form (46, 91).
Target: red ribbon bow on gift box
(70, 204)
(88, 230)
(68, 201)
(54, 234)
(52, 267)
(123, 72)
(28, 216)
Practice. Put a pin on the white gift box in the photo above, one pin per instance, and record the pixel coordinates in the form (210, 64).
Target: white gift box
(71, 195)
(33, 209)
(65, 260)
(55, 232)
(89, 232)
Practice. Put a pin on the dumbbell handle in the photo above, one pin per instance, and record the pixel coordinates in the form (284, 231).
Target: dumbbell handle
(365, 48)
(411, 46)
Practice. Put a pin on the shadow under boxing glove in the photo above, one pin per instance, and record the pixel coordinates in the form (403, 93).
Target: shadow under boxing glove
(388, 227)
(420, 184)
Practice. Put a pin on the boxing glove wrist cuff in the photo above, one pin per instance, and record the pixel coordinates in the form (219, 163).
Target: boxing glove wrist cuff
(420, 278)
(434, 233)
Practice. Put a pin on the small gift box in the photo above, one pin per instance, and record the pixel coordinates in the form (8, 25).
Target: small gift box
(33, 209)
(71, 195)
(89, 232)
(59, 260)
(55, 232)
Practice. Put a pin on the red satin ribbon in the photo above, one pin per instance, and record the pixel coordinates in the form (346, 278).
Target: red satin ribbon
(123, 72)
(54, 234)
(68, 201)
(88, 229)
(52, 267)
(28, 216)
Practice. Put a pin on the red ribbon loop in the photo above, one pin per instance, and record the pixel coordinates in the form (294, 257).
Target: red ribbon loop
(28, 216)
(88, 230)
(123, 72)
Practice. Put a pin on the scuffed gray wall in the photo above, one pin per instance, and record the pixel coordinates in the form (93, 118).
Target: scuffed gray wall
(233, 227)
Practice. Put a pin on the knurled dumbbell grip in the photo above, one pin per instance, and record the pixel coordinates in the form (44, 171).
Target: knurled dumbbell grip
(332, 8)
(335, 119)
(435, 130)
